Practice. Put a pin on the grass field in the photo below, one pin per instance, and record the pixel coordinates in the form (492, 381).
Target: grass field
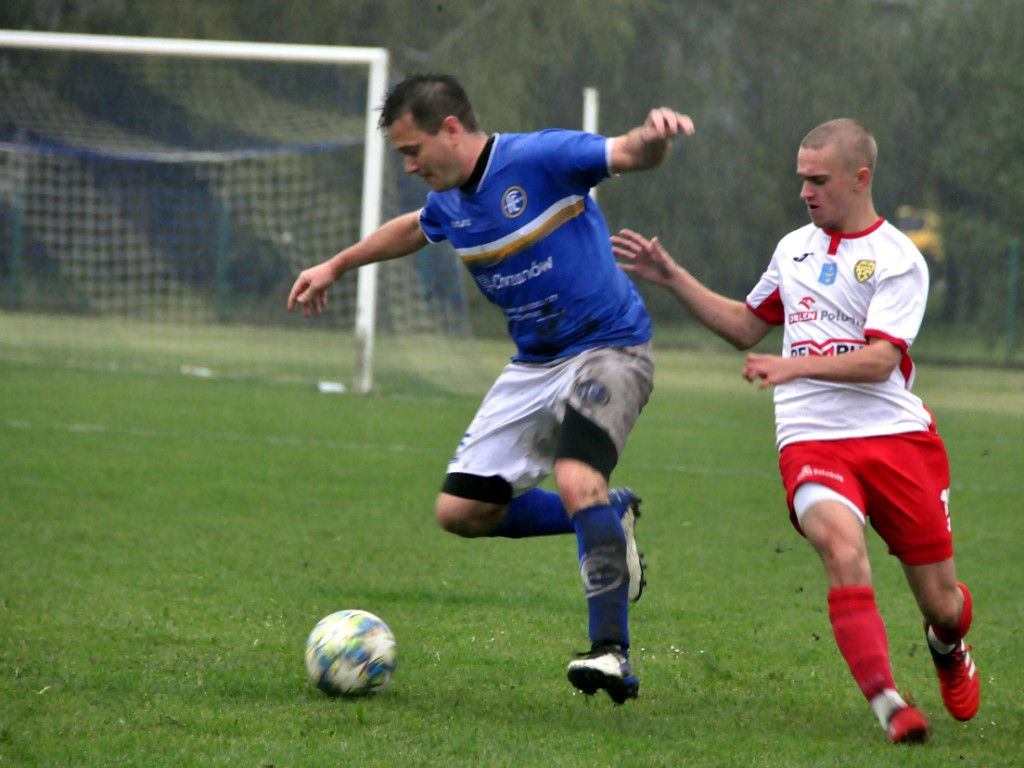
(167, 543)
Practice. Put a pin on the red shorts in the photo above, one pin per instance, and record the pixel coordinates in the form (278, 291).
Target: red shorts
(900, 482)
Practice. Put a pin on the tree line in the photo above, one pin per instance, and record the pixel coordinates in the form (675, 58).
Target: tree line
(939, 82)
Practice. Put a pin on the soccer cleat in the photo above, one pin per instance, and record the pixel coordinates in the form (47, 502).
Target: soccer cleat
(908, 726)
(958, 680)
(605, 667)
(625, 499)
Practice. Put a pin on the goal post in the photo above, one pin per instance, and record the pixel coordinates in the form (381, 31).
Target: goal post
(124, 180)
(591, 113)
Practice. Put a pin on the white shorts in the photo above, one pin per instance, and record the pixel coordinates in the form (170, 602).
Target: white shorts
(515, 431)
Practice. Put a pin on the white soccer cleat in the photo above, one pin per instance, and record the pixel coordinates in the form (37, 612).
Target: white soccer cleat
(607, 668)
(628, 504)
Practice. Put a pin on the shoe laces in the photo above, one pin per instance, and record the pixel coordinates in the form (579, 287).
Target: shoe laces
(957, 657)
(601, 648)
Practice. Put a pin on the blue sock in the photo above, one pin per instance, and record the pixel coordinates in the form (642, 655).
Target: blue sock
(602, 551)
(620, 501)
(535, 513)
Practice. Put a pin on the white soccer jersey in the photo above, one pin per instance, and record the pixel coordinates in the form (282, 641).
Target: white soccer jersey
(831, 292)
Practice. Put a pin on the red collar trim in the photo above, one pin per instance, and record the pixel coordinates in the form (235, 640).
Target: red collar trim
(837, 237)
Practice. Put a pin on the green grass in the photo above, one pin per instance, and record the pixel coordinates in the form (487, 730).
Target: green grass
(167, 543)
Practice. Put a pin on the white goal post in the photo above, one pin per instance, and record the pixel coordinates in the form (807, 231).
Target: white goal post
(374, 59)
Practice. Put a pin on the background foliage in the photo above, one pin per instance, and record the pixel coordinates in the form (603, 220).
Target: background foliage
(939, 82)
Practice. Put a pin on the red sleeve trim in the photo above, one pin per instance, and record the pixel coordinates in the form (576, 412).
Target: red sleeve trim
(901, 343)
(906, 364)
(770, 310)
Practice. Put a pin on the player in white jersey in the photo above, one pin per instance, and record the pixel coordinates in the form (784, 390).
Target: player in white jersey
(831, 292)
(517, 210)
(855, 445)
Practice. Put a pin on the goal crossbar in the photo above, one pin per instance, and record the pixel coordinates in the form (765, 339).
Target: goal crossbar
(377, 61)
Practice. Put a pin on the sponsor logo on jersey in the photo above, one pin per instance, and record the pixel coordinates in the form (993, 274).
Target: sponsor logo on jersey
(808, 313)
(803, 256)
(825, 315)
(829, 270)
(513, 202)
(829, 348)
(499, 281)
(838, 316)
(863, 269)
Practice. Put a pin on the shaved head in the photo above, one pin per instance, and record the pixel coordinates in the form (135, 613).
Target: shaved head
(855, 146)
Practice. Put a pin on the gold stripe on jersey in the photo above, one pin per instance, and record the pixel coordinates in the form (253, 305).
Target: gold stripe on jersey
(526, 236)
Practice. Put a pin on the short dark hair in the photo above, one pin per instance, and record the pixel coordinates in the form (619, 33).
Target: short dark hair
(855, 144)
(429, 98)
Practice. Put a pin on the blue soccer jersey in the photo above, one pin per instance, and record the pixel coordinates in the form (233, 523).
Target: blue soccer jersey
(537, 245)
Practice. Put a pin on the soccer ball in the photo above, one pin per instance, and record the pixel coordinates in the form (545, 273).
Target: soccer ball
(350, 653)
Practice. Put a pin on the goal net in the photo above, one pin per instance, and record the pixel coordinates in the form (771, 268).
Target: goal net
(159, 197)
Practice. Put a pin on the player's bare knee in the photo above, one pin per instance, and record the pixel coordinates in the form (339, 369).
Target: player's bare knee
(575, 498)
(942, 611)
(845, 563)
(451, 517)
(446, 519)
(468, 518)
(580, 485)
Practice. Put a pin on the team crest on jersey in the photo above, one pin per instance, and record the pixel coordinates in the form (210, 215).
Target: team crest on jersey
(513, 202)
(863, 269)
(828, 273)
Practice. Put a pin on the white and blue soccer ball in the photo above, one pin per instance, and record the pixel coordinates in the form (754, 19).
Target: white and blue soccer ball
(351, 653)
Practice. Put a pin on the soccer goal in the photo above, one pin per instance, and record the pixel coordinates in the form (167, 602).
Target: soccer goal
(158, 198)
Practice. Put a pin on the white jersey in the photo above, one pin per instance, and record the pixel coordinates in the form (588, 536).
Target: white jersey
(831, 292)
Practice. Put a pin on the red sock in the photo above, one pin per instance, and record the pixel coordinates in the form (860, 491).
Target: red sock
(860, 635)
(953, 635)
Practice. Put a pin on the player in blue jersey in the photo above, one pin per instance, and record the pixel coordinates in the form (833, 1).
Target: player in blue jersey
(517, 210)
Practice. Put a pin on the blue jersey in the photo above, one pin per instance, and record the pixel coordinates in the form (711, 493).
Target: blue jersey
(537, 245)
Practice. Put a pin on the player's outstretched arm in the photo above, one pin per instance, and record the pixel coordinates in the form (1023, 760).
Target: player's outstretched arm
(647, 145)
(398, 237)
(872, 363)
(730, 319)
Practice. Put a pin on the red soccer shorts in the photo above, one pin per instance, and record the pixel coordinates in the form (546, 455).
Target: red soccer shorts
(901, 482)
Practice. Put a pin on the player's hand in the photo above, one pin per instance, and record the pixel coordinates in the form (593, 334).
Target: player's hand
(647, 145)
(664, 124)
(642, 257)
(310, 289)
(766, 370)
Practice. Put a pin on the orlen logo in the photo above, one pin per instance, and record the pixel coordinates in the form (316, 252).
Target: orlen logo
(513, 202)
(808, 313)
